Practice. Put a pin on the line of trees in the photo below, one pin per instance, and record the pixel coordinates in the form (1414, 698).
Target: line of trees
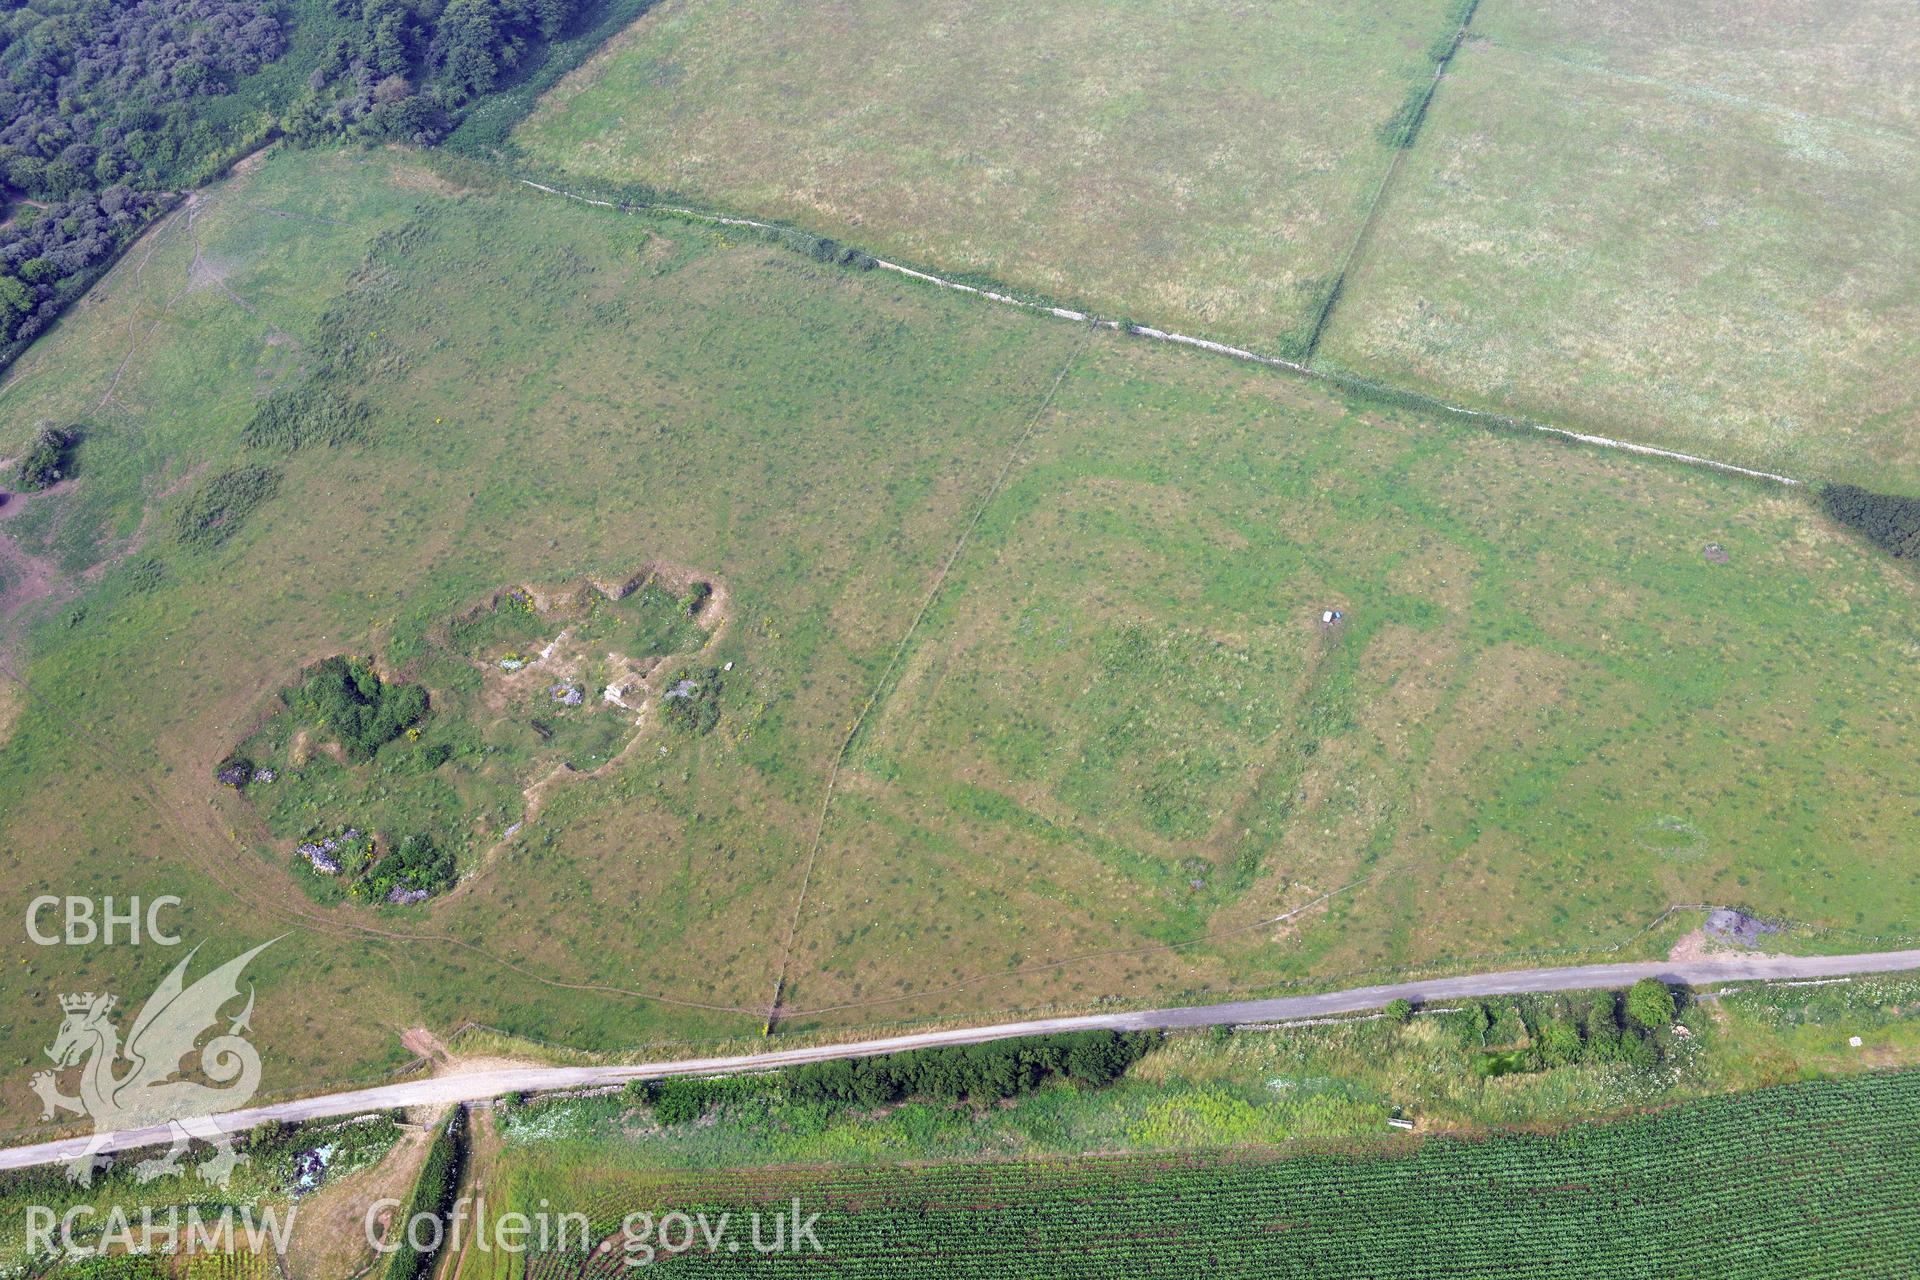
(1596, 1026)
(433, 1194)
(976, 1073)
(49, 255)
(1891, 521)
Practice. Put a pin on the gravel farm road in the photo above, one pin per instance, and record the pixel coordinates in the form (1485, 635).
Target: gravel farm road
(476, 1086)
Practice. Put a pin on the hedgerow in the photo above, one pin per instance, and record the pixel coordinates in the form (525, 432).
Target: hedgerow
(433, 1193)
(976, 1073)
(1890, 521)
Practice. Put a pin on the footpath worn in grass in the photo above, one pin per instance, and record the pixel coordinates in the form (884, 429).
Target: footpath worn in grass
(1196, 166)
(1786, 1182)
(1693, 231)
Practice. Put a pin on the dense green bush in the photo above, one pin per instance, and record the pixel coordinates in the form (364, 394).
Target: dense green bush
(977, 1073)
(215, 511)
(416, 865)
(691, 700)
(347, 698)
(305, 416)
(45, 461)
(1558, 1031)
(1891, 521)
(1650, 1004)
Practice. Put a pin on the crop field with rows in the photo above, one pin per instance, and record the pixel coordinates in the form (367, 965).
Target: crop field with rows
(1800, 1180)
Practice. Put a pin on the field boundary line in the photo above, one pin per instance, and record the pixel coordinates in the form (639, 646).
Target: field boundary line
(893, 663)
(1344, 381)
(1402, 144)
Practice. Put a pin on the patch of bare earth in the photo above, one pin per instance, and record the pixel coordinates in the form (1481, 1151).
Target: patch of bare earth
(26, 579)
(329, 1232)
(424, 1045)
(443, 1060)
(639, 689)
(12, 699)
(1700, 945)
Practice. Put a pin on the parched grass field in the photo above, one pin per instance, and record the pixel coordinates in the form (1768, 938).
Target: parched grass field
(1848, 61)
(1697, 227)
(556, 393)
(1196, 166)
(1545, 714)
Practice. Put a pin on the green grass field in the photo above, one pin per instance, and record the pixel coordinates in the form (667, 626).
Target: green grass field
(1197, 166)
(1694, 229)
(584, 633)
(607, 396)
(1118, 724)
(1123, 720)
(1787, 1182)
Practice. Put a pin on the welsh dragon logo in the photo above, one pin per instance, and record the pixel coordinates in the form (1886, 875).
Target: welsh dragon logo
(134, 1085)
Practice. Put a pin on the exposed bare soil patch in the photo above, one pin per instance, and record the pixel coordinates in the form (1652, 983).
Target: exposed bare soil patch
(329, 1237)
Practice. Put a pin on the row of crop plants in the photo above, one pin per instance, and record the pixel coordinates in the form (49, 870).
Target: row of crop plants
(1817, 1178)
